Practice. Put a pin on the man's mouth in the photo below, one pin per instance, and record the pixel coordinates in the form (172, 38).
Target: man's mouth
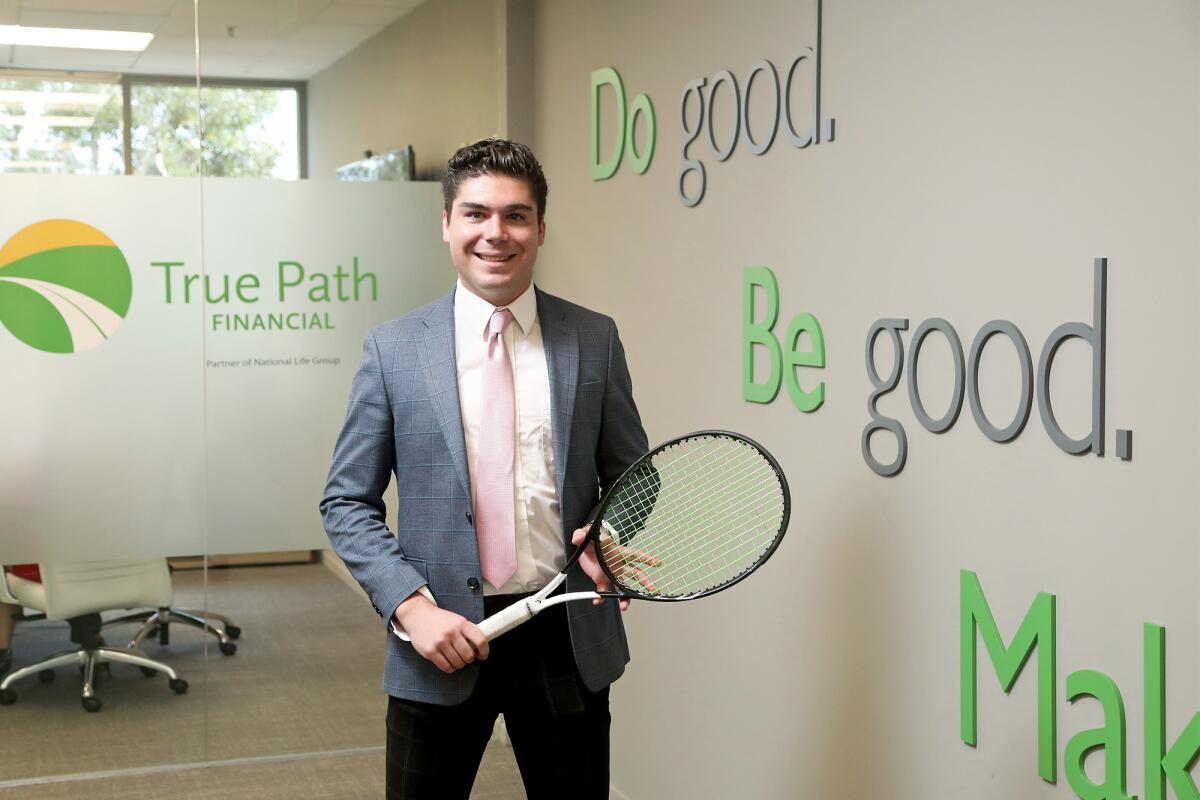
(495, 259)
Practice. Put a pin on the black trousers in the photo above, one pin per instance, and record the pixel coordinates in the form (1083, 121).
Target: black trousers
(559, 729)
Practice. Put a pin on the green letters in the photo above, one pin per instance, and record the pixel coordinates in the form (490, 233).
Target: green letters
(801, 323)
(606, 169)
(1172, 764)
(760, 333)
(1037, 630)
(1111, 737)
(284, 283)
(166, 265)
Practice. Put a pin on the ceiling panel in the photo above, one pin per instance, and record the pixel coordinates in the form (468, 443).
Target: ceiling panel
(100, 22)
(332, 34)
(84, 60)
(148, 7)
(164, 62)
(355, 14)
(238, 37)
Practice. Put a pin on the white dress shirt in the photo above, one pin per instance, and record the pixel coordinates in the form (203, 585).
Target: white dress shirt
(539, 537)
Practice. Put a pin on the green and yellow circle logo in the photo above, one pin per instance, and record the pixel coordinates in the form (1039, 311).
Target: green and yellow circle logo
(64, 286)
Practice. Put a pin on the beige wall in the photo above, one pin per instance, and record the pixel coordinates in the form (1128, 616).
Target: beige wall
(429, 80)
(985, 154)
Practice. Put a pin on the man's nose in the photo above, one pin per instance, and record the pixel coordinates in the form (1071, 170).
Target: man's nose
(495, 228)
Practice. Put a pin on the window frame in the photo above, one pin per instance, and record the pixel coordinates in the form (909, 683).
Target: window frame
(128, 80)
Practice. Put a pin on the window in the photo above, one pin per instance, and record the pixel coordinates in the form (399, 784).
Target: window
(60, 126)
(249, 132)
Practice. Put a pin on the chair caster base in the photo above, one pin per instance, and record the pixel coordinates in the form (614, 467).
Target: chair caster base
(91, 704)
(7, 697)
(178, 685)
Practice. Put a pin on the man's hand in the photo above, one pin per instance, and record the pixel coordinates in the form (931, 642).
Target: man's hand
(449, 640)
(591, 566)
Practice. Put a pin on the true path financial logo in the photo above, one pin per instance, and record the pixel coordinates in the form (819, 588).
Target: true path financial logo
(64, 286)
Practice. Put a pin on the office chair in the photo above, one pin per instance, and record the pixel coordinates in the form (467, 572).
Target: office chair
(156, 624)
(73, 589)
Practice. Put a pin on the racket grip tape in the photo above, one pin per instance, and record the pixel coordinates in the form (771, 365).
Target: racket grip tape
(505, 620)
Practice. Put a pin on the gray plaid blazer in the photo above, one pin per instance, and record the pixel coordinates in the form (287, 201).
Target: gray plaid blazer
(404, 418)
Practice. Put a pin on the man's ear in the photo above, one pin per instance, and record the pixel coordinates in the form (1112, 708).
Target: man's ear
(446, 226)
(541, 232)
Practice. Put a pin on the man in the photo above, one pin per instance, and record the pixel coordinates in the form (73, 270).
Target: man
(503, 412)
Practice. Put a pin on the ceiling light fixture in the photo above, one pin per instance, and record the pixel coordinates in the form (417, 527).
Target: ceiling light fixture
(132, 41)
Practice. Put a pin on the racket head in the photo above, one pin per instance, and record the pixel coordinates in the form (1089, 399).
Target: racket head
(692, 517)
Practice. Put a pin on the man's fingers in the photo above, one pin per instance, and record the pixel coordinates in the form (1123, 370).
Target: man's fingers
(477, 640)
(641, 578)
(625, 555)
(463, 649)
(451, 655)
(649, 559)
(441, 663)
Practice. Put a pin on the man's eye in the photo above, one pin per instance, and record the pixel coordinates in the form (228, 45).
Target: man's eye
(517, 217)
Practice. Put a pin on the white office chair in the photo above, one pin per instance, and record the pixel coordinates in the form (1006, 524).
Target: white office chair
(73, 589)
(157, 624)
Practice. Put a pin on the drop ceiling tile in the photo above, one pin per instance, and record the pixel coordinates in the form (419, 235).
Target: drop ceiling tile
(65, 58)
(356, 14)
(97, 22)
(148, 7)
(165, 63)
(333, 34)
(404, 5)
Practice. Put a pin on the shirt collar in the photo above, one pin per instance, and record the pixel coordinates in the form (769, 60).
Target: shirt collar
(475, 312)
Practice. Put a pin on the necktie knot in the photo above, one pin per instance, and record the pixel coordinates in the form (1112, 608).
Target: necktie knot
(499, 321)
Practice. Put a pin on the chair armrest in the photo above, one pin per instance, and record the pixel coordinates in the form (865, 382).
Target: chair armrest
(5, 594)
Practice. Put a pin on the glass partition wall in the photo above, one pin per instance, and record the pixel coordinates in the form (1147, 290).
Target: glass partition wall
(182, 309)
(102, 466)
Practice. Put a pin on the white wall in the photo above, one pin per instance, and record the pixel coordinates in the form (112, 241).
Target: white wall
(985, 154)
(428, 80)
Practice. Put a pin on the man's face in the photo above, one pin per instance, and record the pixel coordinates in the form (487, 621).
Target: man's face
(494, 235)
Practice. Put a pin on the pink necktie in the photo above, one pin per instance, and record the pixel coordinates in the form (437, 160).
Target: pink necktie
(494, 514)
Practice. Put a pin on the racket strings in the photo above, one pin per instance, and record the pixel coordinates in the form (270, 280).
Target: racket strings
(701, 554)
(671, 521)
(649, 495)
(699, 515)
(646, 492)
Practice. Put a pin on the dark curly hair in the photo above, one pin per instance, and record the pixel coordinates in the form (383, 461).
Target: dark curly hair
(494, 157)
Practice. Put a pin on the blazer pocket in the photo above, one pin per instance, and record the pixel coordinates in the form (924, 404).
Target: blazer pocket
(420, 566)
(591, 386)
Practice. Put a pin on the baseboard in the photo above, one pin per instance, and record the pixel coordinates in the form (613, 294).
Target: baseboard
(617, 794)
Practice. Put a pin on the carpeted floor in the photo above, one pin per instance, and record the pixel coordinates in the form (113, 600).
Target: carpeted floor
(305, 680)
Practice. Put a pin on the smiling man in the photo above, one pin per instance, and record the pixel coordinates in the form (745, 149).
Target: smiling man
(504, 413)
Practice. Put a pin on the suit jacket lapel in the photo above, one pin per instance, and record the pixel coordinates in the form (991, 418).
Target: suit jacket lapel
(561, 342)
(436, 356)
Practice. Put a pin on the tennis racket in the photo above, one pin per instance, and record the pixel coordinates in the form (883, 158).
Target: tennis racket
(693, 516)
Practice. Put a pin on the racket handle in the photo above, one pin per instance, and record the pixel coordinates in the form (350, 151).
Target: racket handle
(507, 619)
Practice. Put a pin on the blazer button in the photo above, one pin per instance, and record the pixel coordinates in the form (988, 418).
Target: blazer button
(472, 583)
(470, 519)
